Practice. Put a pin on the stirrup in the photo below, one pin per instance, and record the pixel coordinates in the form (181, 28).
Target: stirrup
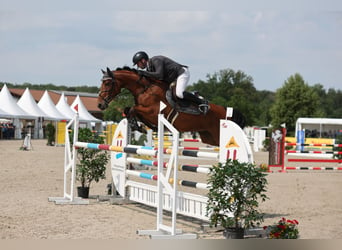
(203, 108)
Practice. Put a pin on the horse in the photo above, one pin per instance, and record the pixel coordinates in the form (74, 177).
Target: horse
(147, 95)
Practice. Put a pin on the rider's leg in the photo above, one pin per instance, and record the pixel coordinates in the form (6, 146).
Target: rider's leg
(182, 82)
(202, 104)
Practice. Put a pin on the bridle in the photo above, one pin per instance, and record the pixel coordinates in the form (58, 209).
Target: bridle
(109, 91)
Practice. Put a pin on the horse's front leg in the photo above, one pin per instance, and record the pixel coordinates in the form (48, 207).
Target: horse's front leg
(129, 112)
(132, 119)
(148, 115)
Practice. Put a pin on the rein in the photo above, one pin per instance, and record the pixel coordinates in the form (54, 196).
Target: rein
(145, 86)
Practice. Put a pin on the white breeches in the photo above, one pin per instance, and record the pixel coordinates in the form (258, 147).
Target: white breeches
(182, 82)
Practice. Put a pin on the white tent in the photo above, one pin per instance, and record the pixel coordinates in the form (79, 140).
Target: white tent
(84, 115)
(4, 114)
(8, 103)
(46, 104)
(79, 107)
(10, 106)
(27, 103)
(64, 108)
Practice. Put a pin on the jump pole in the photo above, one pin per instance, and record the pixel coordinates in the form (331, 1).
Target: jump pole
(164, 231)
(233, 144)
(282, 151)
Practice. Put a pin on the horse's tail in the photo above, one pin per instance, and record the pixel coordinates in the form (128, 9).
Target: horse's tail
(239, 118)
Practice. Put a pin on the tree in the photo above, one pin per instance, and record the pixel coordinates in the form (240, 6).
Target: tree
(265, 99)
(331, 101)
(293, 100)
(231, 88)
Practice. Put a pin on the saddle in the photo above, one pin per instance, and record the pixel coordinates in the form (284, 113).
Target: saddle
(184, 105)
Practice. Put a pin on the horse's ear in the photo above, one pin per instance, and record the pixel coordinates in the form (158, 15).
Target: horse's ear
(110, 73)
(103, 72)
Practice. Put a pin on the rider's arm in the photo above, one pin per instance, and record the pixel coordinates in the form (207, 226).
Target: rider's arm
(157, 71)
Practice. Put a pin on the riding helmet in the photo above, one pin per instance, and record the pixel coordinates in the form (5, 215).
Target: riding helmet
(138, 56)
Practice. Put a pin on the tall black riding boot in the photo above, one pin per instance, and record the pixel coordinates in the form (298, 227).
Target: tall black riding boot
(202, 103)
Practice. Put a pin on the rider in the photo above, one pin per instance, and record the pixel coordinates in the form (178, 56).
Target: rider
(165, 69)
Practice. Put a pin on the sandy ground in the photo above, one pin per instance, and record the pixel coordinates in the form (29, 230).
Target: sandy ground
(28, 178)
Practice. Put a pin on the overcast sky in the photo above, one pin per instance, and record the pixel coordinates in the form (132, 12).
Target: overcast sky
(67, 42)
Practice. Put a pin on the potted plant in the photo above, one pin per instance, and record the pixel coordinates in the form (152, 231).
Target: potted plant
(51, 134)
(91, 164)
(233, 198)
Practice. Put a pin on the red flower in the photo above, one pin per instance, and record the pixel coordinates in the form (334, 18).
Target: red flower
(276, 234)
(284, 229)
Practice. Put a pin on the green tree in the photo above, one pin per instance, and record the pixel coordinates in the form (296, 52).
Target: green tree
(265, 99)
(331, 102)
(231, 88)
(50, 86)
(293, 100)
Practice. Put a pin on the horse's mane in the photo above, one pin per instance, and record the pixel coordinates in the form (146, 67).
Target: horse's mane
(152, 80)
(127, 68)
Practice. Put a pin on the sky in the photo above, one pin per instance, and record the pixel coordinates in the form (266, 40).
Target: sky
(68, 42)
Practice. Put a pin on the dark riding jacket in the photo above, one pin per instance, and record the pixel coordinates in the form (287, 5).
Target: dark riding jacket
(164, 69)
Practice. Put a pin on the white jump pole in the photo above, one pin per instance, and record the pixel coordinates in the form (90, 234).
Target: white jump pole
(163, 186)
(70, 166)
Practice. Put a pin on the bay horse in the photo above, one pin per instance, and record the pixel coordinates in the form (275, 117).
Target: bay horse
(147, 95)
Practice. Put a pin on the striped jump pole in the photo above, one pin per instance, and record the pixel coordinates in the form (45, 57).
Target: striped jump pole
(313, 144)
(131, 149)
(144, 162)
(144, 150)
(313, 168)
(195, 169)
(169, 138)
(152, 163)
(142, 175)
(281, 145)
(198, 148)
(315, 160)
(312, 152)
(154, 177)
(193, 153)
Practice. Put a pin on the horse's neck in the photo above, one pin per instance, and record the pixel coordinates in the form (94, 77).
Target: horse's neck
(138, 86)
(131, 83)
(142, 85)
